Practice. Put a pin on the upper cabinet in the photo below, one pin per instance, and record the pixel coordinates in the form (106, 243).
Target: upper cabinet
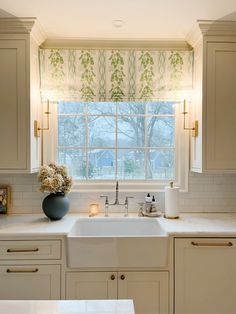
(214, 99)
(19, 94)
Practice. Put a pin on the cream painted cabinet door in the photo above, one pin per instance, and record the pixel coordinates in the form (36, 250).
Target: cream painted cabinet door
(14, 112)
(205, 276)
(20, 102)
(91, 285)
(220, 111)
(148, 290)
(31, 282)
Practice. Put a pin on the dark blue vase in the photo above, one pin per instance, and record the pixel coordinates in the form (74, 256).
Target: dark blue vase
(55, 206)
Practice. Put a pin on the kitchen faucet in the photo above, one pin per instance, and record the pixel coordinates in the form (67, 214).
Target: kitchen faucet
(117, 202)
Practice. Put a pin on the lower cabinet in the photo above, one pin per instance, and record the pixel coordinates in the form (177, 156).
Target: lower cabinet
(30, 282)
(205, 276)
(149, 290)
(91, 285)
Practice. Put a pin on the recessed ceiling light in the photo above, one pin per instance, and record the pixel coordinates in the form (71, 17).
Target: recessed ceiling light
(117, 23)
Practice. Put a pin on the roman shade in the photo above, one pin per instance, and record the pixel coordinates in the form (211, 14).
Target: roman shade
(115, 75)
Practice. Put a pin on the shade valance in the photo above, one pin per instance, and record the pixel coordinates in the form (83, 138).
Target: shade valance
(115, 75)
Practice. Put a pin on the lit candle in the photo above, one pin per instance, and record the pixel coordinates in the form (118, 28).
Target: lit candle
(93, 209)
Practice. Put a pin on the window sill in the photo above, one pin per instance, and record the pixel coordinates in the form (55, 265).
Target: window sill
(124, 186)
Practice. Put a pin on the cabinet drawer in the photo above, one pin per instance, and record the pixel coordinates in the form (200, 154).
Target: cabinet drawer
(30, 282)
(30, 250)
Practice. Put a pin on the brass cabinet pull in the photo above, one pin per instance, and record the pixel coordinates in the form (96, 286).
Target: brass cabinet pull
(22, 250)
(113, 277)
(212, 244)
(22, 270)
(122, 277)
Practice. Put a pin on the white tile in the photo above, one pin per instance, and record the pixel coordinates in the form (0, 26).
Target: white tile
(21, 188)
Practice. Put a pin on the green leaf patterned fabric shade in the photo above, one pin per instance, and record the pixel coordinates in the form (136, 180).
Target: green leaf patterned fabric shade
(115, 75)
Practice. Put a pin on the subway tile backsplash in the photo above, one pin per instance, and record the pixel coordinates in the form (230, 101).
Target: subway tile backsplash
(207, 193)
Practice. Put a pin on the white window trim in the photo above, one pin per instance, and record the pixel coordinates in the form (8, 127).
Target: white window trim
(181, 167)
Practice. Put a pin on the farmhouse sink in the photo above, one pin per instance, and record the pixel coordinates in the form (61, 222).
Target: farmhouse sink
(117, 242)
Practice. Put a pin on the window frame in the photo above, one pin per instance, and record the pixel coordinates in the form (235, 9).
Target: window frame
(50, 140)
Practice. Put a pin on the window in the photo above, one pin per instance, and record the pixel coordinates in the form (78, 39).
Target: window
(124, 141)
(143, 145)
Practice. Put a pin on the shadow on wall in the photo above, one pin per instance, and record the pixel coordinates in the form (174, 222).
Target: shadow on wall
(229, 17)
(7, 15)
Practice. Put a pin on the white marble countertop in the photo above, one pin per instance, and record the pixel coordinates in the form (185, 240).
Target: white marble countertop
(67, 307)
(214, 224)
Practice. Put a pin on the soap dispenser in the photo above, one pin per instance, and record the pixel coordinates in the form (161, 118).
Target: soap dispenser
(148, 203)
(153, 207)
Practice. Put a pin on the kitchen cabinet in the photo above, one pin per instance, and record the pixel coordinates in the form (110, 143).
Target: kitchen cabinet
(149, 290)
(20, 95)
(31, 282)
(214, 97)
(30, 269)
(91, 285)
(205, 276)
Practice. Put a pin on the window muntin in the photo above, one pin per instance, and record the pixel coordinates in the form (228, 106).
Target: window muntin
(124, 141)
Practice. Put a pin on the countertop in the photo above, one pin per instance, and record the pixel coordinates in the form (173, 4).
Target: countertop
(67, 307)
(214, 224)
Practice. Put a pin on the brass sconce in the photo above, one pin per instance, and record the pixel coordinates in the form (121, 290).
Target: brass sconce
(194, 129)
(37, 128)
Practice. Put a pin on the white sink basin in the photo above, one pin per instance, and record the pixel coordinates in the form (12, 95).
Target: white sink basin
(117, 242)
(116, 227)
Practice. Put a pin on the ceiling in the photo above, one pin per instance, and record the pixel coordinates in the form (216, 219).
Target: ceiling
(142, 19)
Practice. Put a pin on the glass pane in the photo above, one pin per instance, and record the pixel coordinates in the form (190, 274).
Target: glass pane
(131, 108)
(130, 164)
(71, 131)
(101, 108)
(161, 131)
(131, 140)
(101, 131)
(75, 160)
(131, 131)
(101, 164)
(160, 164)
(161, 108)
(71, 107)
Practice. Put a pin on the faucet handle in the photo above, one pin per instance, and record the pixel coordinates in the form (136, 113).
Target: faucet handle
(106, 198)
(106, 204)
(127, 205)
(127, 199)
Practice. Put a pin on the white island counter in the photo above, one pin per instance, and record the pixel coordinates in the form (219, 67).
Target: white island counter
(67, 307)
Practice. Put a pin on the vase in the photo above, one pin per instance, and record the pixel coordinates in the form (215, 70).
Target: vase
(55, 206)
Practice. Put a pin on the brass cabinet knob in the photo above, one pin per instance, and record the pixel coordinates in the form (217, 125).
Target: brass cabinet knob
(122, 277)
(113, 277)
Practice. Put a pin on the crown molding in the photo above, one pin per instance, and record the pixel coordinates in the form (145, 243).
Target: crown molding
(38, 33)
(84, 43)
(194, 36)
(217, 28)
(210, 28)
(28, 25)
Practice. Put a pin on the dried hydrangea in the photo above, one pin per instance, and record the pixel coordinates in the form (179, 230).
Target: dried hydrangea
(54, 179)
(45, 172)
(67, 184)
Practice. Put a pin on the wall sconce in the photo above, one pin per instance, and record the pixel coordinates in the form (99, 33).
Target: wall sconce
(194, 129)
(37, 129)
